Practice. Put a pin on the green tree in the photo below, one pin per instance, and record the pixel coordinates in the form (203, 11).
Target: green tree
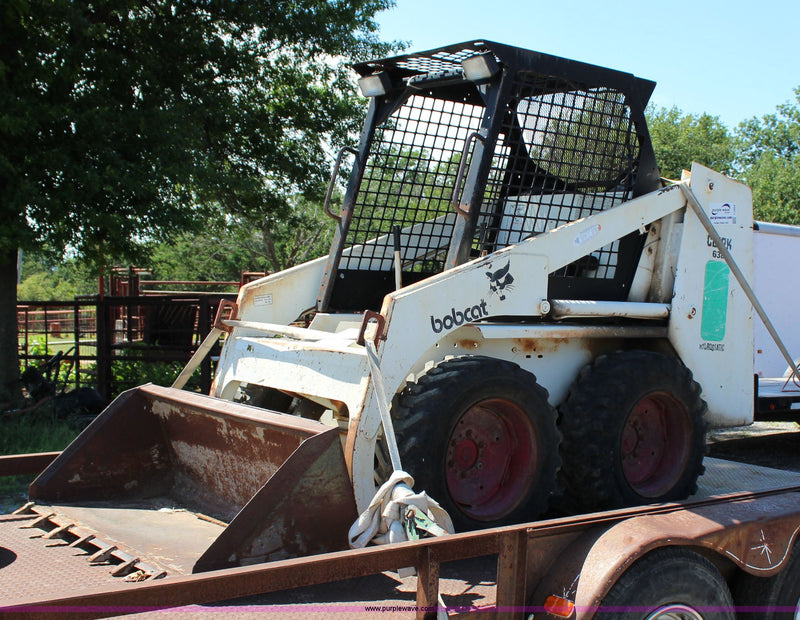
(230, 245)
(278, 244)
(679, 139)
(121, 121)
(44, 278)
(768, 159)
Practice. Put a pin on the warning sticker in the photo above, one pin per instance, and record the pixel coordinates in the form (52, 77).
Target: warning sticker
(586, 235)
(263, 300)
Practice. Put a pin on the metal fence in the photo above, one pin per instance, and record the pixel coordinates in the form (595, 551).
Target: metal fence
(96, 336)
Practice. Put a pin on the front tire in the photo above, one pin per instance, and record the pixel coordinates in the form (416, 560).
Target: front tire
(633, 432)
(479, 436)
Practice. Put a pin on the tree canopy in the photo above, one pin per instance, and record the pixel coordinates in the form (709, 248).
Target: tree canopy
(769, 162)
(679, 139)
(230, 245)
(763, 153)
(124, 121)
(120, 120)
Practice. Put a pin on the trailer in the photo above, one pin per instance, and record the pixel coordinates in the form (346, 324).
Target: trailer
(776, 285)
(729, 549)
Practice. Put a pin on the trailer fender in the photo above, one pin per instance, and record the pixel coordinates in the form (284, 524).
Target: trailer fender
(756, 534)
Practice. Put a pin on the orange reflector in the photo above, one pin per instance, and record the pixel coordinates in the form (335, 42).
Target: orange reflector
(559, 606)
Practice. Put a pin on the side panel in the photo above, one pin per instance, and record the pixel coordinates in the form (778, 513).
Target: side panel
(509, 283)
(333, 370)
(281, 297)
(711, 326)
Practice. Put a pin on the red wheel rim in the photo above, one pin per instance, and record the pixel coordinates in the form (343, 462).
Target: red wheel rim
(655, 444)
(491, 459)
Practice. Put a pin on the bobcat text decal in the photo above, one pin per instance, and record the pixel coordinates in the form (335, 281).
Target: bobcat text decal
(459, 317)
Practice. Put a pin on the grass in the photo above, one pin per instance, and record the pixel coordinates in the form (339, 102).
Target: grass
(55, 343)
(34, 431)
(42, 431)
(36, 345)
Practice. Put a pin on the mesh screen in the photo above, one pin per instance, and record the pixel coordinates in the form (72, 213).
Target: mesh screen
(561, 156)
(563, 153)
(439, 62)
(408, 182)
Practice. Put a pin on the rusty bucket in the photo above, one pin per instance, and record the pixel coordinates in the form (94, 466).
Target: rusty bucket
(195, 483)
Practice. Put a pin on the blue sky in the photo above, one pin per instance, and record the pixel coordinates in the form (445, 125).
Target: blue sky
(732, 59)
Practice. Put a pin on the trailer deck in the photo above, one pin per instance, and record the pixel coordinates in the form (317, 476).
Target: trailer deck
(41, 570)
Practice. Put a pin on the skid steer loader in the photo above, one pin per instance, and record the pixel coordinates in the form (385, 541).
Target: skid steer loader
(555, 326)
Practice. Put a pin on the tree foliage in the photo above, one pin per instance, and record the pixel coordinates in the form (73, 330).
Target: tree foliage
(762, 152)
(123, 121)
(775, 182)
(769, 162)
(43, 279)
(230, 245)
(679, 139)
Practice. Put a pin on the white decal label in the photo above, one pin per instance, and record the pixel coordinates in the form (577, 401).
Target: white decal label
(263, 300)
(586, 235)
(722, 213)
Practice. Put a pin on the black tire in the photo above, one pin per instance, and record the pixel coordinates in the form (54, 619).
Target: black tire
(669, 583)
(633, 433)
(479, 436)
(770, 598)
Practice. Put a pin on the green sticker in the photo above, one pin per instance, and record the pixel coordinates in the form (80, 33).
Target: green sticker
(715, 301)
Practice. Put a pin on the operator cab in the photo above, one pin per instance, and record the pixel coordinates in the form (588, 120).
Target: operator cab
(473, 147)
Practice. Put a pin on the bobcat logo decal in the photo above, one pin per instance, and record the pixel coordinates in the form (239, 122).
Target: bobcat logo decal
(500, 281)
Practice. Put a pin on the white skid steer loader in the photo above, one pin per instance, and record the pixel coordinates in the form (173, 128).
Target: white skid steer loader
(544, 308)
(554, 325)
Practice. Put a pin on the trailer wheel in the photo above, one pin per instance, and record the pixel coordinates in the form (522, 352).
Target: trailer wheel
(479, 436)
(633, 432)
(669, 583)
(770, 598)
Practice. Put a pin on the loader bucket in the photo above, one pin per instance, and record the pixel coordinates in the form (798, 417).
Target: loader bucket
(196, 483)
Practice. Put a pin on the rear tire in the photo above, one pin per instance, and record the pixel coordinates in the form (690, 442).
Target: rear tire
(771, 598)
(669, 583)
(633, 432)
(479, 436)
